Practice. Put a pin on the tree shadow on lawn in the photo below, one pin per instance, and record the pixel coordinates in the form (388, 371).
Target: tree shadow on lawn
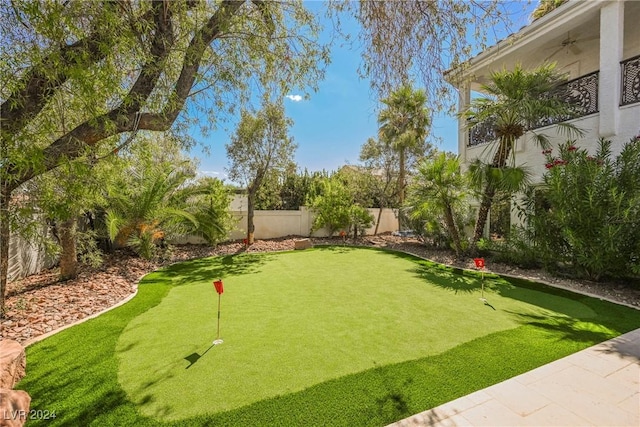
(567, 328)
(213, 268)
(341, 249)
(449, 279)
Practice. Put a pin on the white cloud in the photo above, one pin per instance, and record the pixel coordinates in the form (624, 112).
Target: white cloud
(209, 173)
(295, 98)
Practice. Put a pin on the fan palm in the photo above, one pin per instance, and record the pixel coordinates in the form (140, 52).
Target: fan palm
(515, 103)
(404, 123)
(440, 186)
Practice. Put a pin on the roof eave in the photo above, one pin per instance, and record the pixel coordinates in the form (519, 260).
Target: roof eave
(560, 17)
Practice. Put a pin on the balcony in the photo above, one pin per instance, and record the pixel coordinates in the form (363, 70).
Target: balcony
(580, 93)
(630, 93)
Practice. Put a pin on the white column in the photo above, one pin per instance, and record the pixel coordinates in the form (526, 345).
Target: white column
(464, 97)
(611, 44)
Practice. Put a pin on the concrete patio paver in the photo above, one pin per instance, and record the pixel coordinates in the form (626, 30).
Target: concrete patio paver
(599, 386)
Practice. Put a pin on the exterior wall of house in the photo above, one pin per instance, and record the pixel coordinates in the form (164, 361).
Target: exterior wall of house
(600, 35)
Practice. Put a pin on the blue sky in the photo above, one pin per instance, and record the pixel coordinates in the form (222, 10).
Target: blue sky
(332, 125)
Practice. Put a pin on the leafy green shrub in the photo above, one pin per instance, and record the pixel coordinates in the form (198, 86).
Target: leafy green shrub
(331, 207)
(335, 209)
(360, 220)
(208, 201)
(517, 249)
(587, 215)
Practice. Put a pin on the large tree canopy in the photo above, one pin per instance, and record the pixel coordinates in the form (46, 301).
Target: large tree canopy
(79, 78)
(260, 146)
(120, 66)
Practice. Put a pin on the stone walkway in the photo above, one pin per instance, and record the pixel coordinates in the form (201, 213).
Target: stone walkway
(599, 386)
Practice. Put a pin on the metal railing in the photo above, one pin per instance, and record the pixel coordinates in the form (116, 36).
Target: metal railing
(581, 94)
(630, 93)
(482, 133)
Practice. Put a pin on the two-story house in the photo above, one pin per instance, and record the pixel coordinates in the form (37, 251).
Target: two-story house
(597, 43)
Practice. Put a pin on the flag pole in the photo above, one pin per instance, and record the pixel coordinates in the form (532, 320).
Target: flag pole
(479, 262)
(219, 289)
(218, 335)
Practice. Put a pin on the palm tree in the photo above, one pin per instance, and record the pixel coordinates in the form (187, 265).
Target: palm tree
(404, 123)
(439, 187)
(150, 211)
(516, 101)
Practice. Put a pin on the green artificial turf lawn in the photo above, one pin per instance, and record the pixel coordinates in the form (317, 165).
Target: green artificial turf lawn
(330, 336)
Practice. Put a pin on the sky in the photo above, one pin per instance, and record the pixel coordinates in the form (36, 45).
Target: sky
(331, 126)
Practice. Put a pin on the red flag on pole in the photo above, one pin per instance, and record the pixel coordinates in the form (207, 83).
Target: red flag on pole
(218, 285)
(479, 262)
(480, 266)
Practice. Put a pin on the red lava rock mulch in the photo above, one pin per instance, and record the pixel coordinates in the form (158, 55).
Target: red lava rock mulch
(40, 304)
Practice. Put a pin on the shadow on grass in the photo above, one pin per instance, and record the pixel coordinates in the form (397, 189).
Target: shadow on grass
(76, 371)
(385, 394)
(393, 402)
(194, 357)
(566, 328)
(214, 268)
(448, 280)
(341, 249)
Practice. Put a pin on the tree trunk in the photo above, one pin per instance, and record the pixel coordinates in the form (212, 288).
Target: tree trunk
(5, 231)
(483, 213)
(401, 173)
(375, 232)
(250, 226)
(69, 255)
(499, 161)
(453, 230)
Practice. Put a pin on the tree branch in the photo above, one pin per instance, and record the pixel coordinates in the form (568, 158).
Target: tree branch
(126, 117)
(39, 84)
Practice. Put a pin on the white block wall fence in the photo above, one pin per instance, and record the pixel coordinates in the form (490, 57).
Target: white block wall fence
(274, 224)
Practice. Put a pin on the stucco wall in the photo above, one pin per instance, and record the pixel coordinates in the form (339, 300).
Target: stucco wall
(273, 224)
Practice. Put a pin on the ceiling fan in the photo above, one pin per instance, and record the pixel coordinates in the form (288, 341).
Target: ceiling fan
(570, 44)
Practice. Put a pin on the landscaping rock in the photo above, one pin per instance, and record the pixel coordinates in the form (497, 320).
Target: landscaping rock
(302, 244)
(14, 407)
(12, 363)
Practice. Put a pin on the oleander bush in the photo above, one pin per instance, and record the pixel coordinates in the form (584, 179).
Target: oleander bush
(586, 216)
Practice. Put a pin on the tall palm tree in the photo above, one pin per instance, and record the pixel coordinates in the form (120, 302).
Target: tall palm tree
(404, 123)
(515, 102)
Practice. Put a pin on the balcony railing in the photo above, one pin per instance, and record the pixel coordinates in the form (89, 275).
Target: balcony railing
(482, 133)
(630, 93)
(581, 94)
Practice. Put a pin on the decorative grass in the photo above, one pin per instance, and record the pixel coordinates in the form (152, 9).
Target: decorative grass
(330, 336)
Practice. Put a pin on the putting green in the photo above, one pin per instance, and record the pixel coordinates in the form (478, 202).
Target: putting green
(294, 320)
